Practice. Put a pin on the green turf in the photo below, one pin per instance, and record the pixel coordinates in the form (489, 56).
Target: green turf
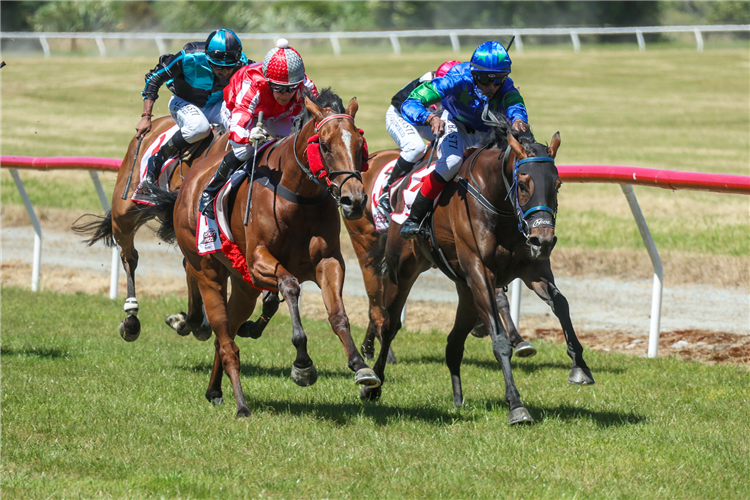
(87, 415)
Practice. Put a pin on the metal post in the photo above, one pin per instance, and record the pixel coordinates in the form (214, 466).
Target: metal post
(698, 39)
(515, 301)
(641, 41)
(160, 44)
(115, 269)
(519, 43)
(45, 46)
(396, 45)
(37, 230)
(102, 48)
(336, 46)
(576, 41)
(653, 336)
(454, 42)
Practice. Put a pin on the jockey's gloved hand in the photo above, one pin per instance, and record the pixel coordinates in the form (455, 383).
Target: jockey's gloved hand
(258, 134)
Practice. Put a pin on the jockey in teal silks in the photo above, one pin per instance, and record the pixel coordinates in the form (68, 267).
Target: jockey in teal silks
(465, 91)
(197, 77)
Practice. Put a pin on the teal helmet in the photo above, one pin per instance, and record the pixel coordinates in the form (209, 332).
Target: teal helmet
(223, 48)
(490, 57)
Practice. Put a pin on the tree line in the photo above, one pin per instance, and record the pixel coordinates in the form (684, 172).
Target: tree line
(317, 16)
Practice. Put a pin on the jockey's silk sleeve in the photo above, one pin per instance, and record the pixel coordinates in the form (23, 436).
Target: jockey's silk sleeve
(169, 65)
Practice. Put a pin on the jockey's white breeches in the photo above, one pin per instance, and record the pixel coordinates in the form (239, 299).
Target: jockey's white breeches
(194, 122)
(452, 144)
(408, 137)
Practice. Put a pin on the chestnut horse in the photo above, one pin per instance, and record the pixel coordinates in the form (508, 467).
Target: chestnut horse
(286, 241)
(365, 239)
(122, 221)
(491, 229)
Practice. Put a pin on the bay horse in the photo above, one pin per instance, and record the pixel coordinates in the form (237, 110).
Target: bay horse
(491, 229)
(120, 224)
(365, 237)
(287, 240)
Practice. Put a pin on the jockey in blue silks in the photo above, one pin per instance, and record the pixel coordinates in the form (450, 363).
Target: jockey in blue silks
(464, 92)
(197, 77)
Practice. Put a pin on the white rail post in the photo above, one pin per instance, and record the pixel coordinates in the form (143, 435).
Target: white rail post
(519, 43)
(37, 230)
(515, 301)
(102, 48)
(160, 45)
(653, 336)
(698, 39)
(576, 41)
(336, 46)
(641, 41)
(115, 270)
(45, 46)
(454, 42)
(396, 45)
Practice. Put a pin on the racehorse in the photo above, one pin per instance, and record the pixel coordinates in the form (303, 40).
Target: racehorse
(292, 235)
(490, 229)
(365, 237)
(124, 219)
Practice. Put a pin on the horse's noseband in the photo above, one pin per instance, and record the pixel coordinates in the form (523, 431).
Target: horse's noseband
(543, 176)
(319, 170)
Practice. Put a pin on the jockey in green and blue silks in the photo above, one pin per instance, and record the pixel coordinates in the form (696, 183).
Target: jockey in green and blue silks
(196, 77)
(464, 92)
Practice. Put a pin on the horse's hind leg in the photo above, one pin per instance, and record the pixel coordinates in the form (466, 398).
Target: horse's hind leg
(545, 288)
(254, 329)
(466, 317)
(521, 348)
(130, 328)
(194, 320)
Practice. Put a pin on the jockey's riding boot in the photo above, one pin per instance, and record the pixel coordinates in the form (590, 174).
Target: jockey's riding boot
(156, 162)
(228, 165)
(401, 168)
(419, 209)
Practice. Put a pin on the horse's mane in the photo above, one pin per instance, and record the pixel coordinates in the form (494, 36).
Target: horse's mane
(500, 126)
(327, 98)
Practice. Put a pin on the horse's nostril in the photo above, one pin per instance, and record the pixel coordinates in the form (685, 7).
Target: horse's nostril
(534, 241)
(345, 201)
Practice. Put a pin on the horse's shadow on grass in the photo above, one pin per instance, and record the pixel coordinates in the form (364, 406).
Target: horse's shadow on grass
(528, 365)
(36, 352)
(252, 370)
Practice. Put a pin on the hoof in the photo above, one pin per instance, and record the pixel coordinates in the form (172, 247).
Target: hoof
(458, 403)
(218, 401)
(243, 412)
(250, 329)
(131, 306)
(177, 323)
(370, 393)
(367, 377)
(130, 329)
(202, 333)
(519, 416)
(304, 377)
(580, 376)
(480, 331)
(525, 350)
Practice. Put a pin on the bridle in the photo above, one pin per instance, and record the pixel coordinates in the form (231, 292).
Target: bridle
(319, 170)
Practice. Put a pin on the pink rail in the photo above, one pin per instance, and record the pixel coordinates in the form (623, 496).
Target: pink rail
(61, 163)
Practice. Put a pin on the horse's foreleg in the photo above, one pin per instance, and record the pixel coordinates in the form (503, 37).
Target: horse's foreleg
(130, 328)
(330, 276)
(267, 272)
(521, 348)
(254, 329)
(580, 374)
(466, 317)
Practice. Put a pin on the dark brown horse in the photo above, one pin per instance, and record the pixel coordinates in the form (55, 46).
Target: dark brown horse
(119, 225)
(365, 238)
(288, 240)
(491, 229)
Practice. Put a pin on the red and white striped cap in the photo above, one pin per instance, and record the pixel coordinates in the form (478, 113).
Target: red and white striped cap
(283, 65)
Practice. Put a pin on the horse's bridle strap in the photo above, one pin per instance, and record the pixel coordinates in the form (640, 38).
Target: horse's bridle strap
(332, 117)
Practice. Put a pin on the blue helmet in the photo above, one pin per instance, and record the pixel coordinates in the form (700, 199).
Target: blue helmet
(490, 57)
(223, 48)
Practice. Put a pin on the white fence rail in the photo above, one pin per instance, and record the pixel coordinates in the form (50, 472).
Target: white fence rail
(393, 36)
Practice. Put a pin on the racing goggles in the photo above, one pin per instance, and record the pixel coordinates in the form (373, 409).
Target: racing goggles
(224, 58)
(496, 79)
(283, 89)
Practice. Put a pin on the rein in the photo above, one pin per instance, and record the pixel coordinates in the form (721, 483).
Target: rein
(321, 171)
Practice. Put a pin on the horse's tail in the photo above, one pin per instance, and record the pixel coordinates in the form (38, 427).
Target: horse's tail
(161, 203)
(99, 229)
(375, 258)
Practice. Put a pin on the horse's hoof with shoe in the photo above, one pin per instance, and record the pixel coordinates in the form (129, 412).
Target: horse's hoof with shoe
(524, 350)
(480, 331)
(177, 323)
(250, 329)
(367, 377)
(203, 333)
(304, 377)
(580, 376)
(130, 329)
(520, 415)
(370, 393)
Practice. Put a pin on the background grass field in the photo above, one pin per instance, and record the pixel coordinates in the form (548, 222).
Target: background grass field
(86, 415)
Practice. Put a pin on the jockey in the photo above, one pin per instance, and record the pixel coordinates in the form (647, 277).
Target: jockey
(407, 136)
(465, 91)
(274, 88)
(196, 76)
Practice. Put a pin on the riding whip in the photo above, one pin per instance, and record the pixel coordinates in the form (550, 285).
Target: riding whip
(130, 176)
(510, 43)
(252, 172)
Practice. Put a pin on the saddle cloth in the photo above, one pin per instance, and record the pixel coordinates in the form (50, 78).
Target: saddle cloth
(380, 216)
(167, 169)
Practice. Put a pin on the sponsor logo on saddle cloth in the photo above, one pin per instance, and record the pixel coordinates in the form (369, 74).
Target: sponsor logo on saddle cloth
(380, 216)
(167, 169)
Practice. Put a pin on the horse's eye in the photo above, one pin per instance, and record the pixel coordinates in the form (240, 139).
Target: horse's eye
(523, 186)
(323, 147)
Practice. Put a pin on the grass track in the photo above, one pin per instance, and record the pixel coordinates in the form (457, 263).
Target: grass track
(87, 415)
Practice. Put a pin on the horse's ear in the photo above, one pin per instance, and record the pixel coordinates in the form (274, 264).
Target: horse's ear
(516, 147)
(352, 107)
(314, 109)
(552, 148)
